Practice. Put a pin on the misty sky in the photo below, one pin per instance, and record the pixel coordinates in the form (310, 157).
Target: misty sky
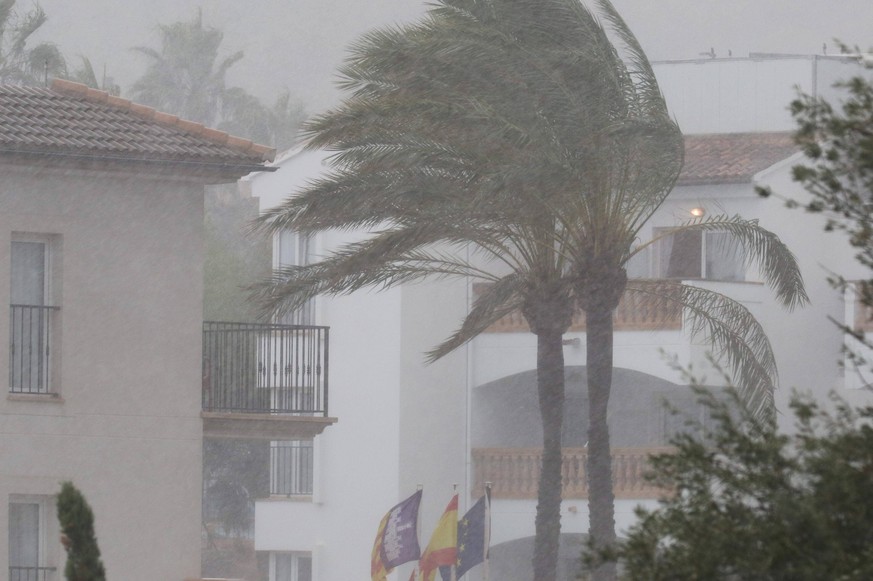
(297, 44)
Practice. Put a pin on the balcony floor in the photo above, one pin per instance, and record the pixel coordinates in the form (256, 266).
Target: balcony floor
(263, 426)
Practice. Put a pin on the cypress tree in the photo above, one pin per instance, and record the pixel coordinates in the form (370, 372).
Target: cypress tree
(77, 535)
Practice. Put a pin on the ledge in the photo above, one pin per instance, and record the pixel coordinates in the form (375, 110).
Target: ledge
(35, 397)
(263, 426)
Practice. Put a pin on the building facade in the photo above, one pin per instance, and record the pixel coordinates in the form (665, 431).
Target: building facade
(101, 264)
(472, 417)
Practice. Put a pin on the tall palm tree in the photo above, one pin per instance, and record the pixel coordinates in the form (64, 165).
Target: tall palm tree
(20, 63)
(186, 76)
(516, 129)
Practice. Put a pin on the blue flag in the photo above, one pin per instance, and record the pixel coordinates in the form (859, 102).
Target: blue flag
(474, 532)
(400, 536)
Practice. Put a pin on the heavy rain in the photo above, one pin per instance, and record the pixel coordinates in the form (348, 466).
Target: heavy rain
(506, 290)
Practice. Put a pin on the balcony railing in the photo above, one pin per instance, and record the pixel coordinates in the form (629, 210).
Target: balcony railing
(30, 347)
(637, 311)
(31, 573)
(514, 473)
(254, 368)
(291, 468)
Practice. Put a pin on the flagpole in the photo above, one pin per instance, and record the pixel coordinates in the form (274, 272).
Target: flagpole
(485, 565)
(417, 534)
(454, 570)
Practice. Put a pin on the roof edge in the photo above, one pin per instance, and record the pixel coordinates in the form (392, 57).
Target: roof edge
(244, 146)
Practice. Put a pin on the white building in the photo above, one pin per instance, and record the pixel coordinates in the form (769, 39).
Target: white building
(101, 262)
(472, 417)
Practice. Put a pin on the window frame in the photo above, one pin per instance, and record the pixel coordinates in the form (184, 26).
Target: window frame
(48, 325)
(659, 269)
(295, 557)
(299, 246)
(46, 508)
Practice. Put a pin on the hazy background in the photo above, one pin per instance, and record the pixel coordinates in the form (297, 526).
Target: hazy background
(297, 44)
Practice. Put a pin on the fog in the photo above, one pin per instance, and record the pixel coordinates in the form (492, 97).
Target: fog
(295, 489)
(298, 45)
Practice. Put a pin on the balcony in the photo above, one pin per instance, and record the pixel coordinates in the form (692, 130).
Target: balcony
(635, 312)
(514, 473)
(31, 573)
(30, 348)
(265, 381)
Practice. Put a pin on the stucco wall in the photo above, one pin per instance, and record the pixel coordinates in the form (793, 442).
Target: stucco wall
(127, 276)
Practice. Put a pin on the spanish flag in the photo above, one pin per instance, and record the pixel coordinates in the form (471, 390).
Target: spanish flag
(442, 550)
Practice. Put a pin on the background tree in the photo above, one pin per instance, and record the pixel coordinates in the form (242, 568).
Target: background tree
(20, 62)
(187, 77)
(79, 540)
(749, 502)
(86, 75)
(518, 129)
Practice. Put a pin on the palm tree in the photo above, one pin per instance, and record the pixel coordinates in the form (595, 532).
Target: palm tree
(514, 128)
(21, 64)
(186, 76)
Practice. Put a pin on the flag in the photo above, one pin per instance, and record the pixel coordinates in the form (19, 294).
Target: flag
(378, 572)
(443, 546)
(474, 535)
(400, 537)
(397, 538)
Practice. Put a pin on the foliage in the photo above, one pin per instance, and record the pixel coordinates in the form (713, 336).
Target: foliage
(85, 74)
(21, 63)
(187, 77)
(533, 133)
(235, 473)
(80, 542)
(233, 259)
(749, 502)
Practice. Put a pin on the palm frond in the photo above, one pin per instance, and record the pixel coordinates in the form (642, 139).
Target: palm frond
(736, 336)
(495, 302)
(757, 246)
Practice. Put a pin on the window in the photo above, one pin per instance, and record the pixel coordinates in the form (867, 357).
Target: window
(694, 254)
(27, 538)
(291, 468)
(31, 315)
(293, 249)
(291, 567)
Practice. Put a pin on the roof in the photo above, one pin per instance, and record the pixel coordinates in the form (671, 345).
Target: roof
(74, 122)
(733, 157)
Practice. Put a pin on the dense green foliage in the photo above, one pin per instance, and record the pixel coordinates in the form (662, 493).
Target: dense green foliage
(79, 539)
(533, 133)
(750, 502)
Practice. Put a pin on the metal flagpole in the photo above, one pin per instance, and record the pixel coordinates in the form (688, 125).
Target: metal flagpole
(418, 535)
(486, 565)
(454, 569)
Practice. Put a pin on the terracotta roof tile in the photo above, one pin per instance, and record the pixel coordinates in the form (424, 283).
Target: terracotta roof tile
(70, 118)
(732, 157)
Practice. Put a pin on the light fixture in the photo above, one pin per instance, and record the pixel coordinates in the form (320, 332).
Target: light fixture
(697, 212)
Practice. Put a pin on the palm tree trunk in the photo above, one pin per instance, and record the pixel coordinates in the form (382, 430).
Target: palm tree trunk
(601, 500)
(550, 386)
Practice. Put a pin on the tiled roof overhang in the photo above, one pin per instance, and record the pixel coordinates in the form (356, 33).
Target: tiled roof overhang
(71, 124)
(733, 157)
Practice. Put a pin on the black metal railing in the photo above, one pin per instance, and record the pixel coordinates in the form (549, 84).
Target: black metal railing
(262, 368)
(31, 573)
(30, 347)
(291, 468)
